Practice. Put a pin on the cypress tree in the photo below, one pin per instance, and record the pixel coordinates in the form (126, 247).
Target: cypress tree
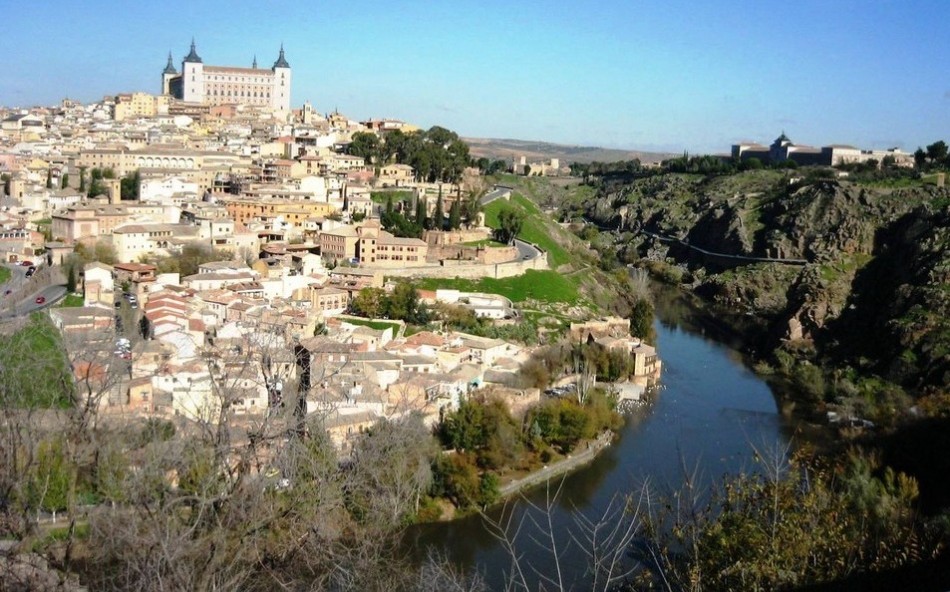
(438, 218)
(455, 215)
(421, 213)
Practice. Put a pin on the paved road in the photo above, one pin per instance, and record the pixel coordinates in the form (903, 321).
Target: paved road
(498, 192)
(19, 285)
(526, 250)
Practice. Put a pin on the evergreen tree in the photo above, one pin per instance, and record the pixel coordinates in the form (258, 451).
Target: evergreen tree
(82, 179)
(421, 213)
(65, 181)
(49, 178)
(455, 215)
(438, 218)
(71, 280)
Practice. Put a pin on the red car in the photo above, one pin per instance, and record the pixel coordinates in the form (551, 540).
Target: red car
(26, 263)
(40, 299)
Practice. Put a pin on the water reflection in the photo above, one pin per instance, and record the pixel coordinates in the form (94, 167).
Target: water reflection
(709, 414)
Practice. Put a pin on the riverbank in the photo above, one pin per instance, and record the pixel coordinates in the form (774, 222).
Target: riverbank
(573, 461)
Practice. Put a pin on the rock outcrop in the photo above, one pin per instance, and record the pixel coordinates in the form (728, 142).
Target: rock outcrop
(876, 285)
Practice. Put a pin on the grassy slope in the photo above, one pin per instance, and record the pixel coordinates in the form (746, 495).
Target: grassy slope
(33, 357)
(545, 286)
(575, 285)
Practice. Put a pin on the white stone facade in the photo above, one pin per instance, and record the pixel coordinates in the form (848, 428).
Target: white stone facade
(227, 85)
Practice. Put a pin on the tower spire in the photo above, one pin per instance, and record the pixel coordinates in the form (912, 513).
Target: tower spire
(170, 67)
(281, 60)
(193, 54)
(254, 64)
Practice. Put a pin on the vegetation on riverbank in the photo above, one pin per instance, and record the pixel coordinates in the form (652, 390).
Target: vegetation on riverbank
(487, 444)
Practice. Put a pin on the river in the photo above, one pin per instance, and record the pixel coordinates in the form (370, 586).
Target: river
(709, 413)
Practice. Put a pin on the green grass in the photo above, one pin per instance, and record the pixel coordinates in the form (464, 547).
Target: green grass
(377, 325)
(546, 286)
(534, 229)
(59, 534)
(34, 362)
(4, 275)
(381, 197)
(72, 300)
(485, 242)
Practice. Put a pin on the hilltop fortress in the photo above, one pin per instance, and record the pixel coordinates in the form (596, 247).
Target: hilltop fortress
(228, 85)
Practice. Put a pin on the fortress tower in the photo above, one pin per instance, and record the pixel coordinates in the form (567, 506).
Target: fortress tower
(229, 85)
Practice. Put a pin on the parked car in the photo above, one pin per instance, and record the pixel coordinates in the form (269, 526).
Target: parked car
(40, 299)
(30, 272)
(26, 263)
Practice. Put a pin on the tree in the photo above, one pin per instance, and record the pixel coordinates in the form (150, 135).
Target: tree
(421, 219)
(751, 164)
(82, 179)
(510, 222)
(641, 319)
(366, 145)
(369, 302)
(392, 469)
(130, 185)
(472, 206)
(65, 181)
(71, 280)
(455, 215)
(438, 217)
(403, 304)
(49, 178)
(937, 152)
(920, 158)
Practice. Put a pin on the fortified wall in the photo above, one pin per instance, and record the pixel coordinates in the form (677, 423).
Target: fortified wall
(451, 268)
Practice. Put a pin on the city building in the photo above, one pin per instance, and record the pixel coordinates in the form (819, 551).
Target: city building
(783, 149)
(229, 85)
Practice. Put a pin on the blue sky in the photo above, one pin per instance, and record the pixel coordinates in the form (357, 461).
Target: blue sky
(663, 75)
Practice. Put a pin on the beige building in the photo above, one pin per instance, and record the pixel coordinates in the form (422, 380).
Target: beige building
(227, 85)
(156, 158)
(139, 105)
(131, 241)
(396, 175)
(246, 210)
(98, 285)
(371, 246)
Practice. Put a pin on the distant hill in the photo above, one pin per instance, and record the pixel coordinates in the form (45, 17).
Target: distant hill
(534, 151)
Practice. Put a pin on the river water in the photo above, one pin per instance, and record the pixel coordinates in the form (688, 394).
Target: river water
(708, 415)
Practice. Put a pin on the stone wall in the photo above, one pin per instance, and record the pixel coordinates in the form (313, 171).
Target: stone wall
(464, 254)
(441, 238)
(470, 270)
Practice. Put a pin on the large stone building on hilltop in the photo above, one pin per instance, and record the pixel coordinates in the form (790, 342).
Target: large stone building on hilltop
(227, 85)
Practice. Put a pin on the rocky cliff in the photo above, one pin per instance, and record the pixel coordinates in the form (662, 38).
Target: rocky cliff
(873, 283)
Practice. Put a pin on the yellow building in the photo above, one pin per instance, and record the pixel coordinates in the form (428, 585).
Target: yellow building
(139, 105)
(245, 210)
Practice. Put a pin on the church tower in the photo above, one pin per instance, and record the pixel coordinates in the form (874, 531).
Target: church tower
(280, 96)
(167, 74)
(192, 77)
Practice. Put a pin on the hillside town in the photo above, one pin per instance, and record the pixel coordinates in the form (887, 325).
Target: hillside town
(224, 237)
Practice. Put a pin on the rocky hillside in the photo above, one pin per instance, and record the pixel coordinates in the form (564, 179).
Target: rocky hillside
(873, 284)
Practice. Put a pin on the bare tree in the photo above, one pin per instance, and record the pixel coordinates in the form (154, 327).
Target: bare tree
(604, 541)
(392, 469)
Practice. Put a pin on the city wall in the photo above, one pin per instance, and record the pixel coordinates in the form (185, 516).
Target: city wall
(468, 270)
